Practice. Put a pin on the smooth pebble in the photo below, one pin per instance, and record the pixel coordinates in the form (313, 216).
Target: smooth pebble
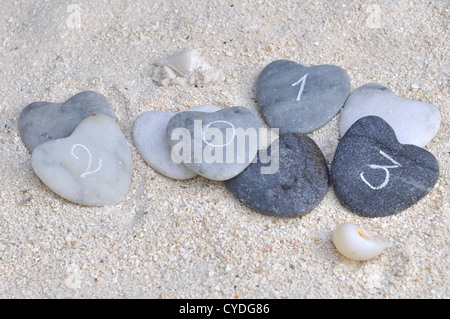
(149, 135)
(295, 188)
(414, 122)
(374, 175)
(40, 122)
(91, 167)
(214, 145)
(296, 98)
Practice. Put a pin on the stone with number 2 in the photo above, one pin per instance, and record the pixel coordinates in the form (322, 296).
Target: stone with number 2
(91, 167)
(374, 175)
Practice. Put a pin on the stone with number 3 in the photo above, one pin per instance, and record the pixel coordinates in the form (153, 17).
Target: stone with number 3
(296, 98)
(91, 167)
(374, 175)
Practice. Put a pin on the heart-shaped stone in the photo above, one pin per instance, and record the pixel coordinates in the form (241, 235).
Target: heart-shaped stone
(295, 98)
(91, 167)
(295, 188)
(414, 122)
(374, 175)
(149, 135)
(40, 122)
(216, 145)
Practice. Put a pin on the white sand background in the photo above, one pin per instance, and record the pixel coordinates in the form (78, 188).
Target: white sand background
(194, 239)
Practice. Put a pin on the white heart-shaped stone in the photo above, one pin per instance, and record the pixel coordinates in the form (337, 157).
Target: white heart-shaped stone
(149, 135)
(91, 167)
(414, 122)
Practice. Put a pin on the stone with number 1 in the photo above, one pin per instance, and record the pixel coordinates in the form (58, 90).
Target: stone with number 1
(374, 175)
(91, 167)
(296, 98)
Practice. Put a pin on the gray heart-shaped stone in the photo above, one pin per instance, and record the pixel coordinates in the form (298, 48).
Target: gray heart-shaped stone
(216, 145)
(40, 122)
(295, 188)
(91, 167)
(414, 122)
(374, 175)
(295, 98)
(149, 135)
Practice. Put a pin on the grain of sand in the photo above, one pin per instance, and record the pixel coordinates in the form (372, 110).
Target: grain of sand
(193, 239)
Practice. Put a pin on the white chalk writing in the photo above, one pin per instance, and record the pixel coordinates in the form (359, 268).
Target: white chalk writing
(205, 129)
(383, 167)
(88, 170)
(302, 86)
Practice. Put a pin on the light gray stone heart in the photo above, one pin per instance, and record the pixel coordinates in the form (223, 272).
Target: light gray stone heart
(296, 98)
(149, 135)
(40, 122)
(216, 145)
(91, 167)
(414, 122)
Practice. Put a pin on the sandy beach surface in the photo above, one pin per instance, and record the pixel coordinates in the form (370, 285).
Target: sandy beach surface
(193, 238)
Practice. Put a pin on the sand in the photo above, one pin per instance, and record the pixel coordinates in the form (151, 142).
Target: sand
(194, 239)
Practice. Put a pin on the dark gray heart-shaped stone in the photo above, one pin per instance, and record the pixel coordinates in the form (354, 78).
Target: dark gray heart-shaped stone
(295, 188)
(217, 145)
(295, 98)
(40, 122)
(374, 175)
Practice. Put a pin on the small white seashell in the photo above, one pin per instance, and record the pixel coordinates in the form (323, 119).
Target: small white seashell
(168, 73)
(186, 67)
(352, 242)
(183, 62)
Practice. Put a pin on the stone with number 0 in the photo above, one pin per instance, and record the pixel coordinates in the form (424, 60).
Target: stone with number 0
(216, 145)
(296, 98)
(374, 175)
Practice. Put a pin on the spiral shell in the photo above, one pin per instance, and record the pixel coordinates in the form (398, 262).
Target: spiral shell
(354, 243)
(186, 67)
(183, 62)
